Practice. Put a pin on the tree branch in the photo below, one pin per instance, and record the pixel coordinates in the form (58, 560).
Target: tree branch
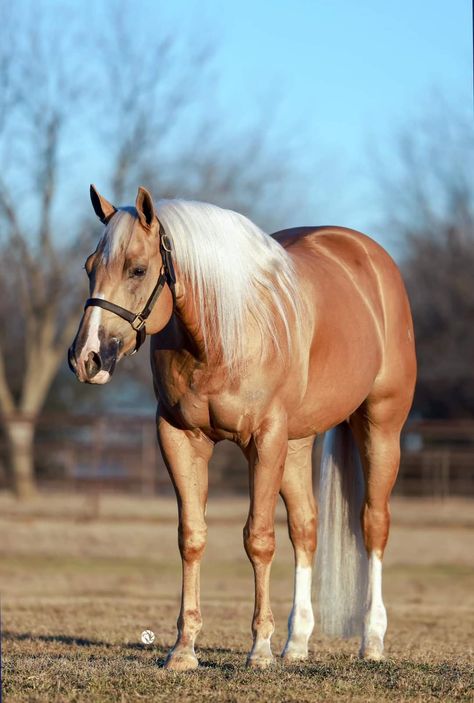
(7, 402)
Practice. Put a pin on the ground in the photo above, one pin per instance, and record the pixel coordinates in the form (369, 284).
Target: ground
(82, 577)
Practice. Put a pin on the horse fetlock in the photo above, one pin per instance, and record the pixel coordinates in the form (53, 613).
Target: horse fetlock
(189, 626)
(301, 622)
(263, 626)
(375, 624)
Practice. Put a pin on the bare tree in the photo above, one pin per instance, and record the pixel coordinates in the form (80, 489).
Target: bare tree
(429, 202)
(67, 91)
(39, 310)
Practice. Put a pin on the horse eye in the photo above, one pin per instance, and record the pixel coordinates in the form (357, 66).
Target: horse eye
(138, 272)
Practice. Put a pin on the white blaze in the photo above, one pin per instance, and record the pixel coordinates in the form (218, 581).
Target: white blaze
(92, 342)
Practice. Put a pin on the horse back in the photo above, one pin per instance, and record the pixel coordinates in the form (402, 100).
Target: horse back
(340, 252)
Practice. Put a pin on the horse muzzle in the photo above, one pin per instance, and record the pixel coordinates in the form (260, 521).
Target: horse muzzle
(95, 367)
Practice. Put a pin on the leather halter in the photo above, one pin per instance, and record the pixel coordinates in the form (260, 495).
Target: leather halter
(138, 320)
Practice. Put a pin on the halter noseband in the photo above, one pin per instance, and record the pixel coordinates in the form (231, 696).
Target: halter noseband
(138, 320)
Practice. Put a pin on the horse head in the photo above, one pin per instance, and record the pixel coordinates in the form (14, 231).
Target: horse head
(131, 277)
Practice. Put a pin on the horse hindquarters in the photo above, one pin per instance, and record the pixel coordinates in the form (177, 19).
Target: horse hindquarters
(341, 558)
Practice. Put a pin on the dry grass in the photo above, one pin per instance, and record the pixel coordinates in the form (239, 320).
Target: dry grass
(82, 578)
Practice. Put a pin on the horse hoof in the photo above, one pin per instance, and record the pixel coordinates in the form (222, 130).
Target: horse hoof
(181, 662)
(372, 651)
(260, 662)
(373, 655)
(293, 657)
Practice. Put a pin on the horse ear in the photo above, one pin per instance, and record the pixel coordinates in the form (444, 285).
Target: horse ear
(145, 207)
(102, 208)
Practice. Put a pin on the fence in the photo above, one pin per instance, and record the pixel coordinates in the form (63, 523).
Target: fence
(120, 453)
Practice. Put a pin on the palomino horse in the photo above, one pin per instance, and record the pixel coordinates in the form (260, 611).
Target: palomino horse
(266, 341)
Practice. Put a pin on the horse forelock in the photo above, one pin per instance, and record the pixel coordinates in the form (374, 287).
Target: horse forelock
(118, 234)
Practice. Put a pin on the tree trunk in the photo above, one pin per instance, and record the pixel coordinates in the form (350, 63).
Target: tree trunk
(21, 432)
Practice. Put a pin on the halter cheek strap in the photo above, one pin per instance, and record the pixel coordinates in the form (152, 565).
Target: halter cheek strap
(138, 320)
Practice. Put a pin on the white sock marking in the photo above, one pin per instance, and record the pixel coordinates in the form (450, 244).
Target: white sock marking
(376, 618)
(301, 620)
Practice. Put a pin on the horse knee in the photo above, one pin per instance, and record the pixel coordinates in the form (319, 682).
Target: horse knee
(192, 540)
(259, 544)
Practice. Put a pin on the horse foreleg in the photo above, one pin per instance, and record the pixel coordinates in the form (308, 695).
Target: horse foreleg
(297, 492)
(186, 456)
(266, 452)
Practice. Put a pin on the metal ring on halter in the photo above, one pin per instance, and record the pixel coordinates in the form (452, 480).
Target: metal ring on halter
(166, 242)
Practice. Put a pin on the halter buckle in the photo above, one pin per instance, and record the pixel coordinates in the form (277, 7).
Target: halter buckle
(138, 323)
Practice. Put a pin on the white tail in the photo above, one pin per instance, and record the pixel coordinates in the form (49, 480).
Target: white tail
(342, 564)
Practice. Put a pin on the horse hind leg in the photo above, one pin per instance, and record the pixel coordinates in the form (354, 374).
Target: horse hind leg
(376, 428)
(297, 493)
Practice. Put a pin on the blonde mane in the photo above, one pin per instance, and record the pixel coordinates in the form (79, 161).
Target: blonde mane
(235, 270)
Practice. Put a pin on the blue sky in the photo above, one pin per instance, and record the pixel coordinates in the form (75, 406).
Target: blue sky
(337, 76)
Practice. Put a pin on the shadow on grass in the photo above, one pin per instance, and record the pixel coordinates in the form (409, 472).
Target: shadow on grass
(219, 650)
(72, 641)
(206, 654)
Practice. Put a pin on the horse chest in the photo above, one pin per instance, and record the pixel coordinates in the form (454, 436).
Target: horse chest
(196, 397)
(219, 414)
(219, 418)
(193, 410)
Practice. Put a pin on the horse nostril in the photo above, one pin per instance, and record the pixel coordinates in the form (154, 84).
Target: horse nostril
(71, 359)
(93, 364)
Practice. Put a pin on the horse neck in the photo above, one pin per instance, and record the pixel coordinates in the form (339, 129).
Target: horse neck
(186, 312)
(192, 338)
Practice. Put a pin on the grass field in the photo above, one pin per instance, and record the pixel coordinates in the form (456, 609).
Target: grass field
(82, 578)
